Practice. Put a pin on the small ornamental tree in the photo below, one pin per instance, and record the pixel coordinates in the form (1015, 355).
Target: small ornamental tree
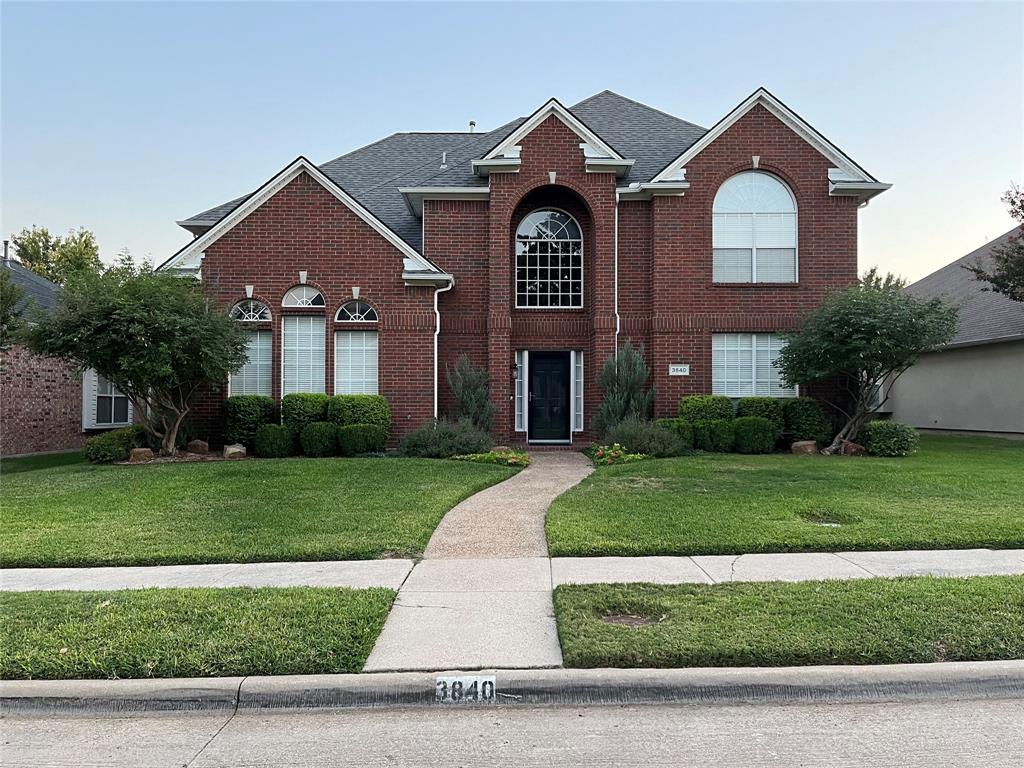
(154, 335)
(623, 380)
(1006, 273)
(862, 336)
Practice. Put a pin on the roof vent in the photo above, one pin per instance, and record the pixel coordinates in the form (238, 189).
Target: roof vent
(472, 126)
(444, 160)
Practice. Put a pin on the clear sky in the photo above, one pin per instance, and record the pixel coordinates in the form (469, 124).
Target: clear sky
(124, 117)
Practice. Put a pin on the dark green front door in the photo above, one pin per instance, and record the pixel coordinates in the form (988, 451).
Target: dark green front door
(549, 396)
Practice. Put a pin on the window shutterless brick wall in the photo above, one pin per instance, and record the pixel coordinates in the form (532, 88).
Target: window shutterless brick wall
(40, 404)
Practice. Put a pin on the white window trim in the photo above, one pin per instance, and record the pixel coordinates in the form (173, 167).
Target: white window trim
(753, 366)
(337, 358)
(376, 315)
(583, 264)
(90, 390)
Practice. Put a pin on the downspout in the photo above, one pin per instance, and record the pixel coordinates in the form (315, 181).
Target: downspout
(437, 334)
(617, 321)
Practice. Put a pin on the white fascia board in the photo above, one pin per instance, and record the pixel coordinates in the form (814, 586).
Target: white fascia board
(496, 165)
(609, 165)
(554, 107)
(792, 120)
(414, 196)
(276, 184)
(417, 277)
(648, 190)
(863, 190)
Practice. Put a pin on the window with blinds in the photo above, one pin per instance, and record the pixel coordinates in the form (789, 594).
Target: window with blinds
(754, 231)
(256, 376)
(743, 365)
(355, 363)
(303, 353)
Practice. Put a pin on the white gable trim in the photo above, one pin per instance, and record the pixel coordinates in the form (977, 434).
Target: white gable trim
(554, 108)
(191, 254)
(793, 121)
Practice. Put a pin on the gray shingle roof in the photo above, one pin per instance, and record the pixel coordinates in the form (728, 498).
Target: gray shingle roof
(374, 173)
(985, 316)
(39, 292)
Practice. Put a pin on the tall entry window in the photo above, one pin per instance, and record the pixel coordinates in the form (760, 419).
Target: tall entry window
(549, 261)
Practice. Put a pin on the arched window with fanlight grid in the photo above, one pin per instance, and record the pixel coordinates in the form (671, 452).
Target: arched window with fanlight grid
(355, 351)
(549, 261)
(754, 230)
(256, 376)
(356, 311)
(303, 296)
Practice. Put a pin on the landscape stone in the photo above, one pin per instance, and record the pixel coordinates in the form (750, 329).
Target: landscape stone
(140, 455)
(198, 446)
(852, 449)
(804, 446)
(235, 451)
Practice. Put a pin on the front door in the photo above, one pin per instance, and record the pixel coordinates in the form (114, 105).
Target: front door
(549, 396)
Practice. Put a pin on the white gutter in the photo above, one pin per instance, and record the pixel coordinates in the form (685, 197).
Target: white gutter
(437, 334)
(617, 322)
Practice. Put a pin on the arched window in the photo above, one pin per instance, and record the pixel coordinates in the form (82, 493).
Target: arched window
(250, 311)
(303, 296)
(754, 231)
(549, 260)
(356, 312)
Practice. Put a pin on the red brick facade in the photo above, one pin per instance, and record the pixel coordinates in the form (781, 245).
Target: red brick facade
(667, 300)
(40, 404)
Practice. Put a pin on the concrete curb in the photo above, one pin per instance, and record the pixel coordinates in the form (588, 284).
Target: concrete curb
(541, 687)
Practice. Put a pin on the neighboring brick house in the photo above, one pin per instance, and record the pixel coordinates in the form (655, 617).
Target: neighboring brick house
(537, 249)
(45, 404)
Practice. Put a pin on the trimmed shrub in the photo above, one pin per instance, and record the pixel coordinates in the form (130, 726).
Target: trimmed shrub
(754, 434)
(623, 380)
(682, 428)
(301, 408)
(244, 414)
(114, 445)
(273, 441)
(889, 438)
(444, 439)
(319, 439)
(470, 388)
(354, 439)
(805, 420)
(645, 437)
(694, 408)
(715, 435)
(767, 408)
(360, 409)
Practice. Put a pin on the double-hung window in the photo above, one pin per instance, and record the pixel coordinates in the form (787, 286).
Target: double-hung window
(744, 365)
(303, 353)
(754, 231)
(355, 350)
(256, 376)
(103, 404)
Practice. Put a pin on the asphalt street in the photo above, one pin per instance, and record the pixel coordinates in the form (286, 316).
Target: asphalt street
(935, 733)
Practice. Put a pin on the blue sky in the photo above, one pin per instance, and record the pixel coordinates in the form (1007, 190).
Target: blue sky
(125, 117)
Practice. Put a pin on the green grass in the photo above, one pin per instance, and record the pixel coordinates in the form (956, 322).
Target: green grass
(245, 511)
(188, 632)
(40, 461)
(956, 492)
(875, 621)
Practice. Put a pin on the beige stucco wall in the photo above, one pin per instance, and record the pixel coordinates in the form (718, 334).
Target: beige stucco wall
(971, 388)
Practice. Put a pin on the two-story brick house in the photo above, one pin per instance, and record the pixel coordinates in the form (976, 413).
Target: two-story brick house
(537, 249)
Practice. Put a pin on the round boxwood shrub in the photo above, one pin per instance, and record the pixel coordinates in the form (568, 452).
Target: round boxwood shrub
(273, 441)
(889, 438)
(360, 409)
(767, 408)
(682, 428)
(694, 408)
(804, 420)
(645, 437)
(319, 439)
(354, 439)
(301, 408)
(244, 414)
(754, 434)
(716, 435)
(445, 438)
(114, 445)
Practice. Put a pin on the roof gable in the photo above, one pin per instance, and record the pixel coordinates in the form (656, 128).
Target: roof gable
(553, 108)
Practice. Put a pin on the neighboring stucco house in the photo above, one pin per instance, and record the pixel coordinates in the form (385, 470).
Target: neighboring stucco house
(45, 405)
(537, 249)
(976, 383)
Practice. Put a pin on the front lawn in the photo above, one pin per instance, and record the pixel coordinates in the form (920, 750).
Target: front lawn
(956, 492)
(188, 632)
(231, 512)
(875, 621)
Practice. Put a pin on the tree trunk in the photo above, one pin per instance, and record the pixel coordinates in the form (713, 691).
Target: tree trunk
(848, 432)
(169, 444)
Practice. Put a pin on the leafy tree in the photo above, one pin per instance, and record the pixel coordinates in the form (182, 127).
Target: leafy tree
(623, 380)
(10, 315)
(864, 335)
(152, 334)
(57, 258)
(471, 390)
(1007, 274)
